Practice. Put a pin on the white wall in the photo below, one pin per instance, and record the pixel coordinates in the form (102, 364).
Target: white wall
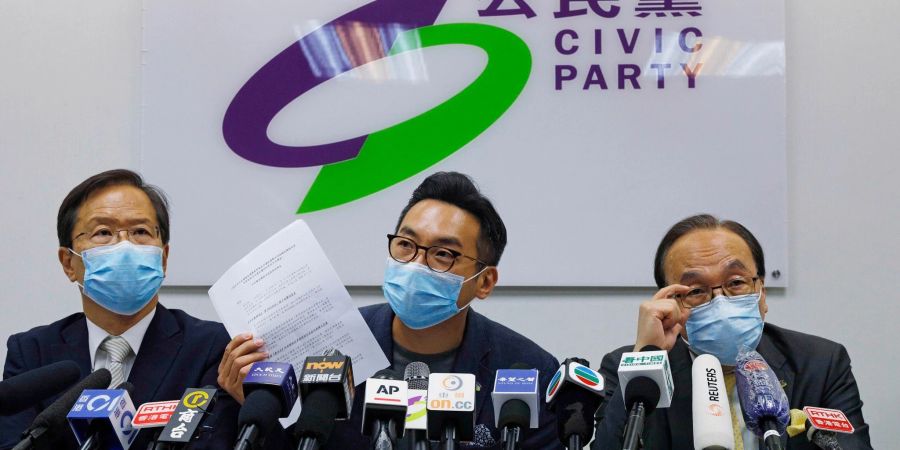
(69, 96)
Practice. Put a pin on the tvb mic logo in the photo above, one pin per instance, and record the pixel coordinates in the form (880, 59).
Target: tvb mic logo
(362, 165)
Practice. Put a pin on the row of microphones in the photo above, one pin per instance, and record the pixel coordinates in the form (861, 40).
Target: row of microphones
(28, 388)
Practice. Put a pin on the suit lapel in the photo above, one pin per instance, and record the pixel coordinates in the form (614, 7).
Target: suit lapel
(472, 357)
(776, 360)
(73, 346)
(159, 349)
(681, 425)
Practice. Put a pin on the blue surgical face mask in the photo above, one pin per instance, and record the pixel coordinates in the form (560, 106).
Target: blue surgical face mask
(421, 297)
(723, 325)
(124, 277)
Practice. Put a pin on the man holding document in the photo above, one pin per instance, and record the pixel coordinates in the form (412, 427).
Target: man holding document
(442, 255)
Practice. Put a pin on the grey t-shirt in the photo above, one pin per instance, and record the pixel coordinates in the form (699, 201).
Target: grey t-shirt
(437, 363)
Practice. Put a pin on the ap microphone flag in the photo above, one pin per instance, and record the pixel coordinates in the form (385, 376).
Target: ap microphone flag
(107, 411)
(709, 405)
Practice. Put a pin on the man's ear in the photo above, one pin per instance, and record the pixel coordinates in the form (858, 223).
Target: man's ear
(763, 306)
(165, 258)
(486, 282)
(65, 259)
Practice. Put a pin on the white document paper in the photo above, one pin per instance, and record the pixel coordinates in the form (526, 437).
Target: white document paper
(287, 293)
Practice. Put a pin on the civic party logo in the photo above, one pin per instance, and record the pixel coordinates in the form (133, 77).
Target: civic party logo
(362, 165)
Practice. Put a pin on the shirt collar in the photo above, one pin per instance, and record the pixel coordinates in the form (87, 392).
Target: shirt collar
(134, 335)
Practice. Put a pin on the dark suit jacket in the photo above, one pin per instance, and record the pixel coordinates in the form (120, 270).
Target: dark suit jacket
(486, 347)
(178, 352)
(814, 372)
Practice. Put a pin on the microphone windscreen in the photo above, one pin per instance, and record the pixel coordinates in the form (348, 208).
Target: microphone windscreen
(416, 375)
(261, 408)
(54, 417)
(642, 389)
(760, 393)
(317, 418)
(26, 389)
(127, 386)
(514, 413)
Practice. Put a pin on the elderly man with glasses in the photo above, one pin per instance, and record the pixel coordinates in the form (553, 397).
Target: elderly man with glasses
(712, 300)
(113, 232)
(441, 257)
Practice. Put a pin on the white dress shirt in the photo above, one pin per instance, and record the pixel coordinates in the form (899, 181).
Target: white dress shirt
(134, 336)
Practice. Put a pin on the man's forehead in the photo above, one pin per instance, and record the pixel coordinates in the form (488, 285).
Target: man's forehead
(117, 202)
(434, 220)
(708, 249)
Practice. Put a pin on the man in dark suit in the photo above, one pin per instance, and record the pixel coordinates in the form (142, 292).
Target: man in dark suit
(711, 300)
(113, 232)
(442, 256)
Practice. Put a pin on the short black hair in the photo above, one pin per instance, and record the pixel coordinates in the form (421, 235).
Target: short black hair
(458, 189)
(705, 222)
(68, 210)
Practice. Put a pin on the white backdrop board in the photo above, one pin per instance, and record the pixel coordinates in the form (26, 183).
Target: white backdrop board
(629, 117)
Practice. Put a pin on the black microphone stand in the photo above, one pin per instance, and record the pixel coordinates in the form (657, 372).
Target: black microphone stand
(635, 427)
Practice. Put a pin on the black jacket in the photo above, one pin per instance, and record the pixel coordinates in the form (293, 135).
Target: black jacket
(813, 371)
(178, 352)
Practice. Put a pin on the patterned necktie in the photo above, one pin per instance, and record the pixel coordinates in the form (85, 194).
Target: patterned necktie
(118, 350)
(730, 381)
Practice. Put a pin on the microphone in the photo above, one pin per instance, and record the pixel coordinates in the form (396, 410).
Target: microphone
(416, 433)
(515, 398)
(647, 383)
(28, 388)
(270, 391)
(153, 415)
(48, 427)
(709, 403)
(326, 390)
(101, 418)
(451, 408)
(185, 420)
(384, 416)
(763, 402)
(574, 394)
(821, 426)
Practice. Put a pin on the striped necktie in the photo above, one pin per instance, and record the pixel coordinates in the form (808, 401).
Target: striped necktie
(735, 423)
(118, 350)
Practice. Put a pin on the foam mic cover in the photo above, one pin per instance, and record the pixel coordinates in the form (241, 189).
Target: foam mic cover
(261, 408)
(764, 404)
(317, 418)
(642, 389)
(26, 389)
(709, 405)
(51, 425)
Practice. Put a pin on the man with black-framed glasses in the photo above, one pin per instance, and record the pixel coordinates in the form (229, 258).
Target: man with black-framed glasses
(441, 257)
(712, 300)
